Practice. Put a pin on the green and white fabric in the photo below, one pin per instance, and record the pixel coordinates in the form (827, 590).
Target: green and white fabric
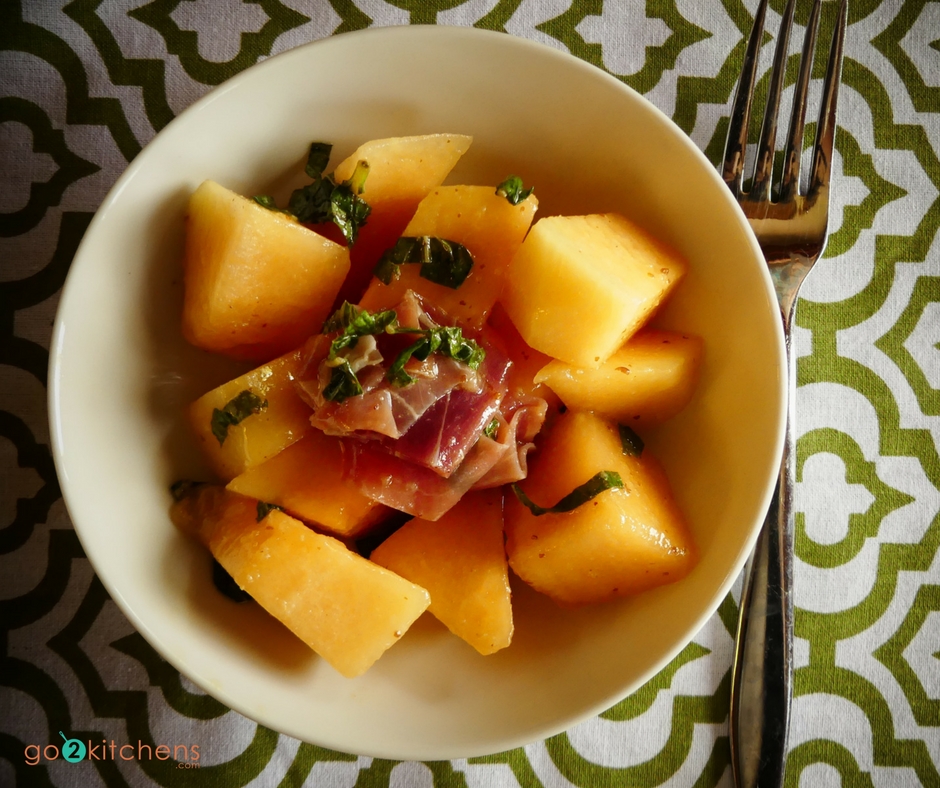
(84, 85)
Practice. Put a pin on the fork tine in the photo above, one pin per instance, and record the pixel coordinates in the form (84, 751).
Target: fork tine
(763, 166)
(826, 127)
(790, 181)
(736, 144)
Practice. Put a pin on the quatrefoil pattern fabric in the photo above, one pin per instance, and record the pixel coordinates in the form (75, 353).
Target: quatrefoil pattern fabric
(84, 85)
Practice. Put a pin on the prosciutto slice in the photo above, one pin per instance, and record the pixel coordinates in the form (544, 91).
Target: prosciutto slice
(517, 435)
(433, 421)
(382, 409)
(419, 447)
(443, 436)
(412, 488)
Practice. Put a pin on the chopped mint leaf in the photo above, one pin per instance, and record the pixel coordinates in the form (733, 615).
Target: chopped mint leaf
(266, 201)
(512, 190)
(348, 210)
(491, 429)
(631, 442)
(446, 340)
(317, 159)
(598, 483)
(351, 322)
(184, 488)
(324, 200)
(343, 383)
(236, 410)
(264, 508)
(444, 262)
(311, 203)
(226, 585)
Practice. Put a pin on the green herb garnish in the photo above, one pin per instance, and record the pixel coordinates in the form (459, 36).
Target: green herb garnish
(343, 382)
(236, 410)
(226, 585)
(598, 483)
(512, 190)
(348, 210)
(352, 323)
(267, 201)
(264, 508)
(184, 488)
(631, 442)
(491, 429)
(443, 262)
(324, 200)
(317, 159)
(311, 203)
(446, 340)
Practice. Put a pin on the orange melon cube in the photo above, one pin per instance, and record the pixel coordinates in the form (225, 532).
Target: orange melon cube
(284, 418)
(256, 282)
(402, 171)
(308, 482)
(461, 560)
(346, 608)
(527, 362)
(623, 541)
(488, 225)
(580, 286)
(650, 379)
(405, 168)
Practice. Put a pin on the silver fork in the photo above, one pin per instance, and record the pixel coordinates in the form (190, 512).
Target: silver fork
(791, 226)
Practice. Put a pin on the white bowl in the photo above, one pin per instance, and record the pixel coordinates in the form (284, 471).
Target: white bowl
(121, 375)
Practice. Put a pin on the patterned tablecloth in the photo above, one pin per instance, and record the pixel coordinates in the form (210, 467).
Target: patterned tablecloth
(86, 84)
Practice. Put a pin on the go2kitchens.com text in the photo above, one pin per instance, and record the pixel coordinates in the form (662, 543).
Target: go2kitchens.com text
(75, 750)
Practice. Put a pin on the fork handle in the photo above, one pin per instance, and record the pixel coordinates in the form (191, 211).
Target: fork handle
(763, 662)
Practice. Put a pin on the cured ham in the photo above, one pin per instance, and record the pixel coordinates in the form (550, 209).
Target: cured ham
(518, 436)
(412, 488)
(382, 408)
(418, 446)
(433, 420)
(443, 436)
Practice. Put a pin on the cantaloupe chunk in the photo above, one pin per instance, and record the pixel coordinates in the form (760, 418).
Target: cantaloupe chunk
(256, 283)
(405, 168)
(402, 171)
(461, 560)
(284, 420)
(580, 286)
(623, 541)
(308, 482)
(346, 608)
(650, 379)
(527, 362)
(488, 225)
